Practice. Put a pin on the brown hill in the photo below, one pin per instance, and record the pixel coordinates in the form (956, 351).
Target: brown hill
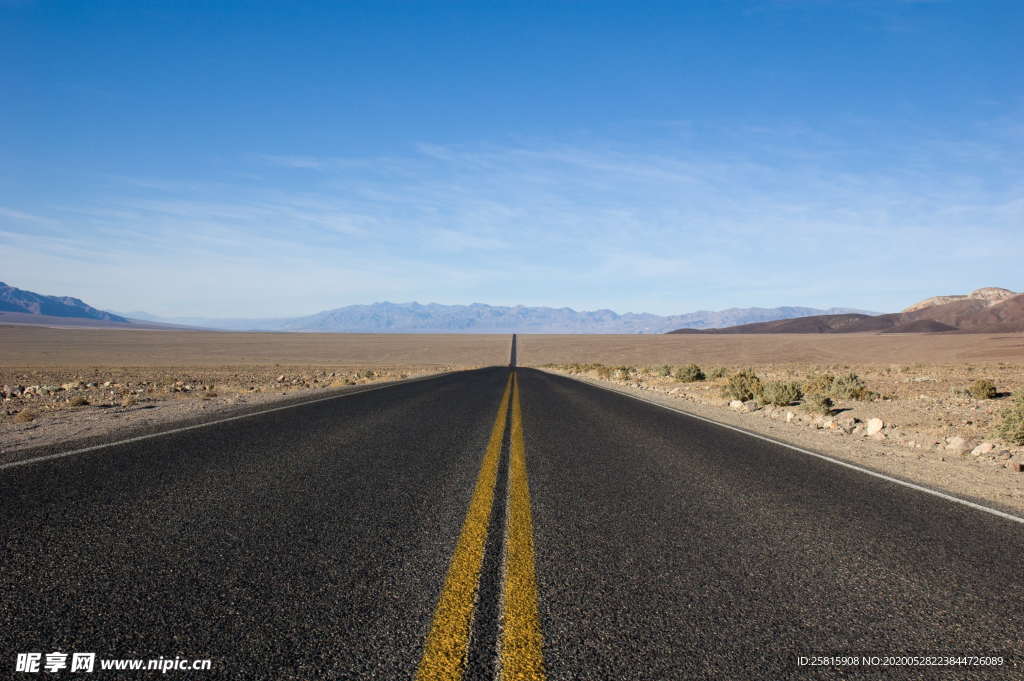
(990, 295)
(988, 310)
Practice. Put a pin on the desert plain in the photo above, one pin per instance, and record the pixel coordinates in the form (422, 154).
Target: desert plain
(65, 387)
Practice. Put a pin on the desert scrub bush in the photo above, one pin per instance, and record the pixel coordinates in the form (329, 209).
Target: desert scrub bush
(1012, 427)
(624, 373)
(24, 416)
(848, 386)
(743, 386)
(78, 401)
(665, 370)
(818, 404)
(603, 371)
(128, 401)
(982, 389)
(780, 393)
(718, 372)
(689, 374)
(818, 384)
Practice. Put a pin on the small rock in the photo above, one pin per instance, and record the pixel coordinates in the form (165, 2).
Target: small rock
(750, 405)
(736, 404)
(874, 426)
(790, 416)
(846, 422)
(983, 448)
(957, 444)
(280, 379)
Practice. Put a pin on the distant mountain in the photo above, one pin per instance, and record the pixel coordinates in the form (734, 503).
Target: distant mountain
(480, 318)
(412, 317)
(994, 310)
(16, 300)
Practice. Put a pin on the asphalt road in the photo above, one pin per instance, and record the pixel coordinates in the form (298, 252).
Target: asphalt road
(546, 529)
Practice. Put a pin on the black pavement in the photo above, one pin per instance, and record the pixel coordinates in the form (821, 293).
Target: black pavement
(312, 543)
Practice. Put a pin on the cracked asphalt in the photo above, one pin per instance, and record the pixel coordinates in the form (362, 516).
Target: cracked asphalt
(313, 543)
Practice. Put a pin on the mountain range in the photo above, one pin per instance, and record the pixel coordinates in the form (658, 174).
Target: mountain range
(990, 309)
(480, 318)
(20, 306)
(19, 301)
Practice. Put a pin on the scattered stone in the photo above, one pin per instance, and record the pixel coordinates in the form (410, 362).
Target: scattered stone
(790, 416)
(957, 444)
(874, 426)
(983, 448)
(736, 404)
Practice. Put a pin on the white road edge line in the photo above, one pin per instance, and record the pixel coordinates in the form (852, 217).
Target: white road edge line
(93, 448)
(838, 462)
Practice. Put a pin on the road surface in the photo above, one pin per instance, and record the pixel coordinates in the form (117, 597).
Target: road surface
(471, 525)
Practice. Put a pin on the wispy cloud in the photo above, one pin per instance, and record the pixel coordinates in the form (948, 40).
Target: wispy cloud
(23, 217)
(293, 161)
(774, 215)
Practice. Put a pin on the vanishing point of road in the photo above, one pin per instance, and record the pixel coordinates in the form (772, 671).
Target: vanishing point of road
(498, 523)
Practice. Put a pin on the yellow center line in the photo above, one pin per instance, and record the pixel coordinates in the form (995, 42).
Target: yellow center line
(520, 647)
(447, 645)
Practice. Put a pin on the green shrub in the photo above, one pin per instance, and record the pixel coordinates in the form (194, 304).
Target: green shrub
(818, 384)
(743, 386)
(665, 370)
(689, 373)
(818, 404)
(624, 372)
(1012, 427)
(848, 386)
(718, 372)
(982, 389)
(781, 393)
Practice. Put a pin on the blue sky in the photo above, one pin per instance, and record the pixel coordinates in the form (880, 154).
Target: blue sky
(264, 159)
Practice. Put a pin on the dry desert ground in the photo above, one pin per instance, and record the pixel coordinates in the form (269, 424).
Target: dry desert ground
(69, 385)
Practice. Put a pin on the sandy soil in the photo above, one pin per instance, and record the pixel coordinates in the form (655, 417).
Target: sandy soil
(38, 346)
(931, 434)
(759, 349)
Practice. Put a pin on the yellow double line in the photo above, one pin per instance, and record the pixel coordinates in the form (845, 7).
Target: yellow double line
(520, 656)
